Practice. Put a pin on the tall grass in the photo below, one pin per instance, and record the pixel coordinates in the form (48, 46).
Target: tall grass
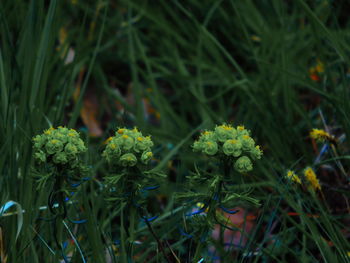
(198, 63)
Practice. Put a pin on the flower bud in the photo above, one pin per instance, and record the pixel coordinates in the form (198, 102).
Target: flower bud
(243, 165)
(126, 141)
(256, 153)
(197, 146)
(146, 156)
(54, 146)
(40, 156)
(128, 159)
(62, 144)
(232, 147)
(71, 149)
(247, 143)
(210, 148)
(225, 132)
(60, 158)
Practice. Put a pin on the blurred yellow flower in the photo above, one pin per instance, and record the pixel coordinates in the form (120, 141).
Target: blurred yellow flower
(321, 135)
(293, 177)
(311, 177)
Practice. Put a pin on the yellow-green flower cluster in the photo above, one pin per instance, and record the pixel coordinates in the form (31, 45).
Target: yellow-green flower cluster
(232, 142)
(291, 175)
(127, 147)
(311, 177)
(321, 135)
(61, 146)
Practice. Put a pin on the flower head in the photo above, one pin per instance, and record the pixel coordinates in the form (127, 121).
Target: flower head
(293, 177)
(243, 164)
(321, 135)
(127, 147)
(312, 178)
(231, 142)
(60, 145)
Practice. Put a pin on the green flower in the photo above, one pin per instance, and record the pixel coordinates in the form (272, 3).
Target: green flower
(225, 132)
(126, 142)
(207, 136)
(40, 156)
(256, 153)
(142, 143)
(146, 156)
(54, 146)
(241, 131)
(197, 146)
(62, 144)
(128, 159)
(127, 147)
(60, 158)
(243, 165)
(70, 149)
(248, 143)
(232, 147)
(230, 142)
(210, 148)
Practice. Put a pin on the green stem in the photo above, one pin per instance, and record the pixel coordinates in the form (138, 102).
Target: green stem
(160, 245)
(212, 207)
(132, 215)
(123, 236)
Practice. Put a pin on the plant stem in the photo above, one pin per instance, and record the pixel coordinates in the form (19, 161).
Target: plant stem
(132, 214)
(122, 236)
(160, 245)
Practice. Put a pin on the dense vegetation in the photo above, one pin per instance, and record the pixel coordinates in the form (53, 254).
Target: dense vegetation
(175, 69)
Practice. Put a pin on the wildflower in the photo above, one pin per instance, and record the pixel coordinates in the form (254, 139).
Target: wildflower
(210, 148)
(229, 141)
(62, 146)
(319, 66)
(128, 159)
(146, 156)
(108, 140)
(256, 153)
(316, 71)
(127, 147)
(293, 177)
(232, 147)
(312, 179)
(321, 135)
(247, 143)
(225, 132)
(243, 164)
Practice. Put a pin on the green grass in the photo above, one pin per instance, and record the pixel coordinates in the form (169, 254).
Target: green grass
(206, 62)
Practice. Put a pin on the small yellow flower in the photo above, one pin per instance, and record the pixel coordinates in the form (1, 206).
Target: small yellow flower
(240, 128)
(140, 139)
(246, 137)
(108, 140)
(319, 66)
(294, 177)
(125, 136)
(312, 178)
(113, 146)
(121, 131)
(321, 135)
(226, 127)
(255, 38)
